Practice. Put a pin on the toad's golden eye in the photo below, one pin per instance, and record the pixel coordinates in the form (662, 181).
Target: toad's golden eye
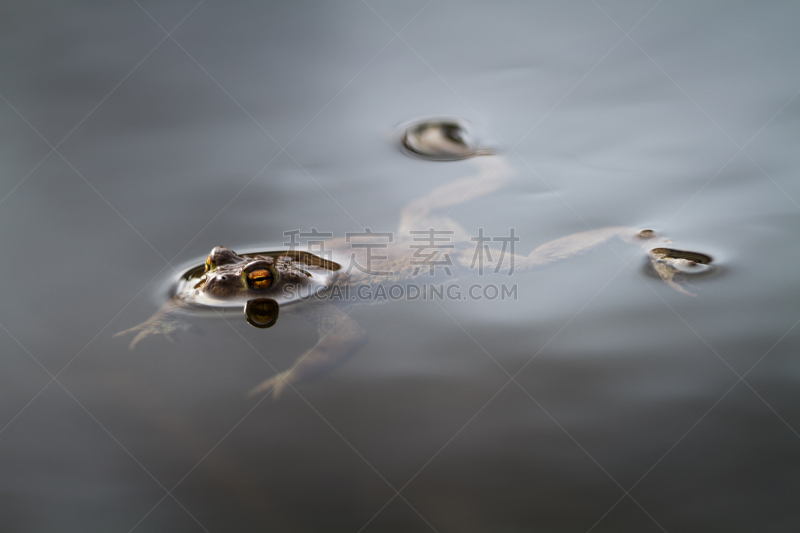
(209, 264)
(260, 278)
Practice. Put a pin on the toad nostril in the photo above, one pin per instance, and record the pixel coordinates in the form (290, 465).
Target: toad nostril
(223, 278)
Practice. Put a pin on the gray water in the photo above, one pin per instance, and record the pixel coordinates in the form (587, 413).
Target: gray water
(634, 407)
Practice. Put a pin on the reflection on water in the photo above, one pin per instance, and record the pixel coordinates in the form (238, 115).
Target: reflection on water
(262, 312)
(632, 406)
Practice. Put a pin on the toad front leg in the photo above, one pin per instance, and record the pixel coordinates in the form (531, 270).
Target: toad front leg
(340, 336)
(166, 321)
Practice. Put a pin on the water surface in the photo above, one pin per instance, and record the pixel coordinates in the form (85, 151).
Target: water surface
(628, 411)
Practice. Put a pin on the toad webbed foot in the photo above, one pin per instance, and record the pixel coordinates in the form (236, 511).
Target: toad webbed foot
(163, 322)
(674, 266)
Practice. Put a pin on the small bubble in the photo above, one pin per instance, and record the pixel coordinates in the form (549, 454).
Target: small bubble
(441, 140)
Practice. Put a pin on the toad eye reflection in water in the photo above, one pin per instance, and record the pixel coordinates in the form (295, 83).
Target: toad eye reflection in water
(311, 286)
(261, 312)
